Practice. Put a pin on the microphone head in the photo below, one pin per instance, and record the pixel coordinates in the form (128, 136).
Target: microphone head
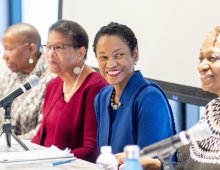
(33, 80)
(199, 131)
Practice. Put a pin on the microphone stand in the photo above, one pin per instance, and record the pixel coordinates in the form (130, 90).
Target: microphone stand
(7, 128)
(165, 155)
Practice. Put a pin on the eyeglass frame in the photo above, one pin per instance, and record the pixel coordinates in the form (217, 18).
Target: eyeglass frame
(8, 52)
(45, 49)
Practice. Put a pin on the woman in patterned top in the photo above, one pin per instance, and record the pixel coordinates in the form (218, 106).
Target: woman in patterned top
(205, 154)
(21, 51)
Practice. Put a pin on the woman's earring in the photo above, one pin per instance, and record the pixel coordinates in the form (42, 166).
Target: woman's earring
(135, 63)
(30, 60)
(77, 69)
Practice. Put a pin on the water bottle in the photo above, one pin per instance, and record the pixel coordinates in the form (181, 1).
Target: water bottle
(132, 155)
(106, 160)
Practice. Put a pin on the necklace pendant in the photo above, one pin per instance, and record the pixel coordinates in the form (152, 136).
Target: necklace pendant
(69, 95)
(115, 107)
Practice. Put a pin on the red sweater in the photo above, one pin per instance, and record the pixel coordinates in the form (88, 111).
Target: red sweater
(76, 125)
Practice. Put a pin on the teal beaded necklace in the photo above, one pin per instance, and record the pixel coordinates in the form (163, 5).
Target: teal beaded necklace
(113, 104)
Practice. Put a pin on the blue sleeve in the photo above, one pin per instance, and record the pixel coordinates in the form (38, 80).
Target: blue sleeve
(97, 112)
(154, 122)
(96, 105)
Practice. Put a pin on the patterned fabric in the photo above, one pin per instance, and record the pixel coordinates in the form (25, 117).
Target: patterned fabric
(183, 154)
(208, 150)
(26, 110)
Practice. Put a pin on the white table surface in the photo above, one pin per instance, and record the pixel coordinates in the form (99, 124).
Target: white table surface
(38, 165)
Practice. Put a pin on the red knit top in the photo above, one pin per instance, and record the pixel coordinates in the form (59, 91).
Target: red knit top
(74, 126)
(50, 122)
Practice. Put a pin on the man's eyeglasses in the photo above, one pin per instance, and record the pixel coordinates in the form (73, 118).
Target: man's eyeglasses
(56, 47)
(8, 52)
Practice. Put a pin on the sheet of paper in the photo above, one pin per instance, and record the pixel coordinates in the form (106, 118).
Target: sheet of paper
(48, 153)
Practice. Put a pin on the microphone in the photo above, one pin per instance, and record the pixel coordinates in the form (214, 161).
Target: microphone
(198, 132)
(9, 98)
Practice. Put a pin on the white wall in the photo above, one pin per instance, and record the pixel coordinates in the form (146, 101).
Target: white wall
(169, 32)
(41, 14)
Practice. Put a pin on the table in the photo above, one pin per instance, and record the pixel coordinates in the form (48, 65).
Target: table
(79, 164)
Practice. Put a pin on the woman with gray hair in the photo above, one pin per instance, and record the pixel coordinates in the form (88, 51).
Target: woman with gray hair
(69, 119)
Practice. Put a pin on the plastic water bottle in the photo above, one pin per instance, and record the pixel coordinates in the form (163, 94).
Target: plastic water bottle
(106, 160)
(132, 155)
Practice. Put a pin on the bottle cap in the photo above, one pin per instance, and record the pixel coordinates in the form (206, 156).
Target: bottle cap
(132, 151)
(106, 149)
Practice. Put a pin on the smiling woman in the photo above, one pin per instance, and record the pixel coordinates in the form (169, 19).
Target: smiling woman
(205, 154)
(210, 63)
(131, 110)
(110, 51)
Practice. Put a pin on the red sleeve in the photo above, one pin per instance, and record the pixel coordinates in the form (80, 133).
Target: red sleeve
(37, 138)
(90, 123)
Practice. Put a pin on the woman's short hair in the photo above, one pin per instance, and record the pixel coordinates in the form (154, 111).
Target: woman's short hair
(73, 31)
(124, 32)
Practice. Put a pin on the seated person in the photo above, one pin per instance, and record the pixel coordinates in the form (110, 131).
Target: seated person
(21, 51)
(205, 154)
(69, 119)
(131, 110)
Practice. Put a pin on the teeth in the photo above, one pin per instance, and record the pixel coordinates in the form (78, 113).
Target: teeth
(113, 72)
(206, 76)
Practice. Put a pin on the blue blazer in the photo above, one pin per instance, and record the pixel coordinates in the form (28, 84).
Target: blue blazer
(144, 118)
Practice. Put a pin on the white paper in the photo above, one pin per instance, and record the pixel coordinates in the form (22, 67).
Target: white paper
(49, 153)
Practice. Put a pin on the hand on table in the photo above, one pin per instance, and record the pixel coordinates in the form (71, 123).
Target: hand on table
(120, 157)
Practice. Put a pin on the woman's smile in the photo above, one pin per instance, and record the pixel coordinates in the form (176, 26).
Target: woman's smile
(114, 73)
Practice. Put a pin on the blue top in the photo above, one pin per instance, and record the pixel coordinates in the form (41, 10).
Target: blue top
(144, 118)
(112, 115)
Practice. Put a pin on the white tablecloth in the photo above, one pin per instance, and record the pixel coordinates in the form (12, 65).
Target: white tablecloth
(38, 165)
